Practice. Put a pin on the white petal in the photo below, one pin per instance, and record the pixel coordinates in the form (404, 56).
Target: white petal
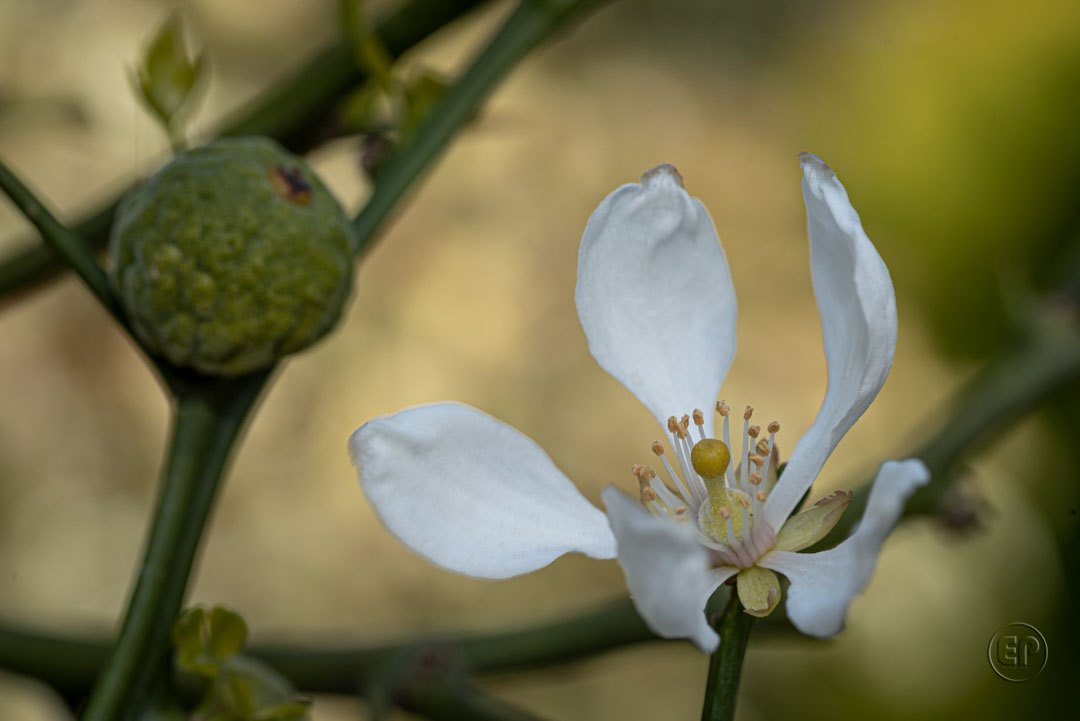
(824, 584)
(858, 322)
(667, 570)
(472, 494)
(655, 296)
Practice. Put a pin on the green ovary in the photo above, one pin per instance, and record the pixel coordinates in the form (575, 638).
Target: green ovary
(725, 505)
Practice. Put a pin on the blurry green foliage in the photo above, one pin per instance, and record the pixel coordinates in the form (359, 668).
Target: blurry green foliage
(387, 110)
(971, 111)
(234, 687)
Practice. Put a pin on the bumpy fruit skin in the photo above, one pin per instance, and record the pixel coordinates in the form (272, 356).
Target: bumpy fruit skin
(231, 256)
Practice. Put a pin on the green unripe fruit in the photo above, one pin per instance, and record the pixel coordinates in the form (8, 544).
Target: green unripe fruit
(231, 256)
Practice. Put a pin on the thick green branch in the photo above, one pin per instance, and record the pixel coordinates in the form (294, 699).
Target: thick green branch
(207, 420)
(725, 665)
(296, 113)
(70, 664)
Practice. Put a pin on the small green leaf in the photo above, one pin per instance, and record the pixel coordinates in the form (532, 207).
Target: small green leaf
(189, 635)
(367, 109)
(166, 78)
(228, 633)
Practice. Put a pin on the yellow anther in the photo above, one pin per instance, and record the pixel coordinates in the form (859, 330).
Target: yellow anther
(744, 501)
(755, 478)
(724, 512)
(648, 495)
(710, 458)
(658, 448)
(747, 413)
(699, 418)
(761, 496)
(672, 424)
(722, 408)
(757, 460)
(753, 431)
(762, 447)
(648, 473)
(774, 427)
(679, 510)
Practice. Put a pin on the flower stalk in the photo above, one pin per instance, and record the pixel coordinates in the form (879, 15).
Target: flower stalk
(725, 664)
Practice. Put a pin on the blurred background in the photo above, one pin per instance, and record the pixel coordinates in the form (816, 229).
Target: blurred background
(954, 128)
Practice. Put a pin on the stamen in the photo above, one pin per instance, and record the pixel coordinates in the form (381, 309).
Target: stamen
(723, 409)
(648, 495)
(757, 460)
(664, 495)
(658, 449)
(699, 421)
(684, 462)
(745, 446)
(693, 479)
(761, 496)
(755, 479)
(672, 424)
(762, 448)
(680, 510)
(774, 428)
(754, 431)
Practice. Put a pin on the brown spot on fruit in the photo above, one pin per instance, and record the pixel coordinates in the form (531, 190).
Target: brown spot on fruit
(290, 184)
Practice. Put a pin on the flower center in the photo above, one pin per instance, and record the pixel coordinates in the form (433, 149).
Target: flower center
(726, 504)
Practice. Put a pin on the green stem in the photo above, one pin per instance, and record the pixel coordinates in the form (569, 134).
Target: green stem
(725, 665)
(65, 243)
(207, 419)
(532, 22)
(294, 113)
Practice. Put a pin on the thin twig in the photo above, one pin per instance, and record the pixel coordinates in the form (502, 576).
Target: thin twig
(295, 113)
(63, 242)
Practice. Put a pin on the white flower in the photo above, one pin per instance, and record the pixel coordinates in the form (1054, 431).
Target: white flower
(655, 299)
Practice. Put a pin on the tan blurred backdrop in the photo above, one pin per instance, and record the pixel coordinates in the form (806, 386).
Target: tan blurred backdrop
(469, 296)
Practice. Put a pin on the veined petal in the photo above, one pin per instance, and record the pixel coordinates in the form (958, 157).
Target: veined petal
(858, 323)
(667, 570)
(471, 494)
(759, 590)
(808, 527)
(824, 584)
(655, 296)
